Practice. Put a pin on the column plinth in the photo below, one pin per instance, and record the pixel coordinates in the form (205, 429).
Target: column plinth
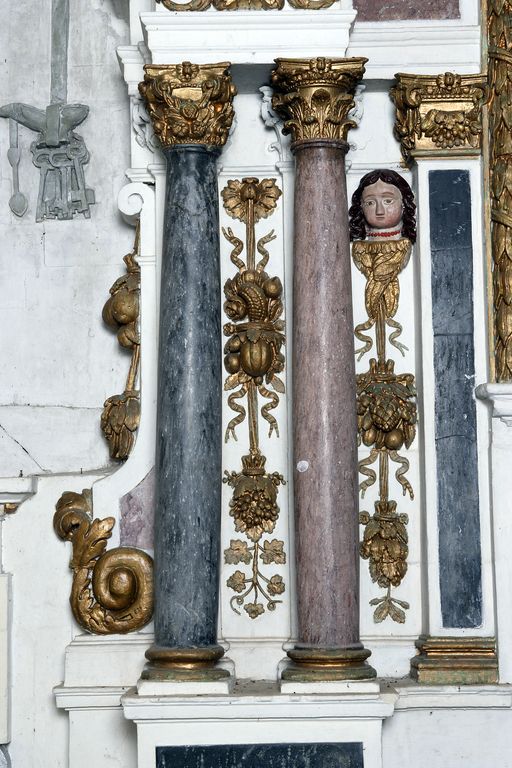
(191, 110)
(315, 98)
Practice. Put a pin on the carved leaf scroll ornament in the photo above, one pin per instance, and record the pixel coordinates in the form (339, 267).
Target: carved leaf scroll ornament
(112, 590)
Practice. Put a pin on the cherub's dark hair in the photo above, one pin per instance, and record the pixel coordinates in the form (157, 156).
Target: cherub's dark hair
(355, 213)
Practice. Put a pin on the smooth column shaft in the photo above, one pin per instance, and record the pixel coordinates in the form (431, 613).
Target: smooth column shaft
(324, 402)
(188, 460)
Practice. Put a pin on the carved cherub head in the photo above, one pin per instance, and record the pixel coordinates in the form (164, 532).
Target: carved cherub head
(382, 201)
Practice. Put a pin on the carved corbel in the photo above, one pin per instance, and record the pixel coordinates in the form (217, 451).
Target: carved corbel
(112, 590)
(438, 115)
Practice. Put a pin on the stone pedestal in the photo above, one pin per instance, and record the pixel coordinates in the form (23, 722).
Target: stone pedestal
(315, 98)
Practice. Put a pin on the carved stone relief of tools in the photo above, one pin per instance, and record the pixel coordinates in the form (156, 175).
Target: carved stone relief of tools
(58, 151)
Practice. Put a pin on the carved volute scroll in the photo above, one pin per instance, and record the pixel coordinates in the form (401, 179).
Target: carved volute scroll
(499, 24)
(189, 103)
(253, 361)
(112, 590)
(438, 114)
(315, 96)
(382, 224)
(121, 413)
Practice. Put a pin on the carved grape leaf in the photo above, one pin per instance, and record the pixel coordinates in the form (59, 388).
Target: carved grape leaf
(273, 552)
(276, 585)
(237, 552)
(236, 582)
(254, 609)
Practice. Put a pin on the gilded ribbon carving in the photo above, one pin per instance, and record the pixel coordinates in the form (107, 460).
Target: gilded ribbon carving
(315, 96)
(253, 361)
(438, 114)
(245, 5)
(500, 166)
(189, 103)
(112, 590)
(121, 413)
(383, 227)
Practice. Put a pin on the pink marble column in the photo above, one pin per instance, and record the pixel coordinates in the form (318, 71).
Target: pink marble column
(315, 97)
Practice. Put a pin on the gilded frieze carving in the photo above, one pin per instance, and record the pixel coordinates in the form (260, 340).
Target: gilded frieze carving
(438, 115)
(500, 167)
(112, 590)
(121, 413)
(254, 358)
(315, 96)
(382, 224)
(189, 103)
(244, 5)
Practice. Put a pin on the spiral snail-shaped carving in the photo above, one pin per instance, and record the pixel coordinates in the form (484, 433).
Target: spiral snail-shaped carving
(112, 591)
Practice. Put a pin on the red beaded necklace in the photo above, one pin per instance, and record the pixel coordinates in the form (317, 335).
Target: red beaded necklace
(385, 234)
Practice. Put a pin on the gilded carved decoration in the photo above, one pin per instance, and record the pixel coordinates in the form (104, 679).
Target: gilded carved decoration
(121, 413)
(253, 361)
(112, 590)
(500, 165)
(383, 211)
(438, 115)
(244, 5)
(315, 96)
(189, 103)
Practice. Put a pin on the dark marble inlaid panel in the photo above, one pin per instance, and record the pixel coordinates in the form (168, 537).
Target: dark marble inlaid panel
(376, 10)
(455, 412)
(333, 755)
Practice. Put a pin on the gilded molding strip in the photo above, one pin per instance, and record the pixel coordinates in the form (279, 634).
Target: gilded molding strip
(386, 405)
(253, 360)
(438, 115)
(499, 27)
(121, 413)
(112, 591)
(245, 5)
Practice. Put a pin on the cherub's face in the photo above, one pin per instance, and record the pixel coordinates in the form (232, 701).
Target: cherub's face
(382, 205)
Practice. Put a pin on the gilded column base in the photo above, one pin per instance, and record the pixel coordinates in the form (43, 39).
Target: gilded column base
(184, 664)
(317, 664)
(455, 661)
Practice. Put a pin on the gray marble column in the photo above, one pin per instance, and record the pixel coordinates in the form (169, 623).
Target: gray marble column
(188, 451)
(324, 384)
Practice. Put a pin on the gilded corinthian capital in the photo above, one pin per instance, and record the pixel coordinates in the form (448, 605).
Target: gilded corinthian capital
(189, 103)
(315, 96)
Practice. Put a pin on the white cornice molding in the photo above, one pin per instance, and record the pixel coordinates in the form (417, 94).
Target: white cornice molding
(246, 37)
(421, 48)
